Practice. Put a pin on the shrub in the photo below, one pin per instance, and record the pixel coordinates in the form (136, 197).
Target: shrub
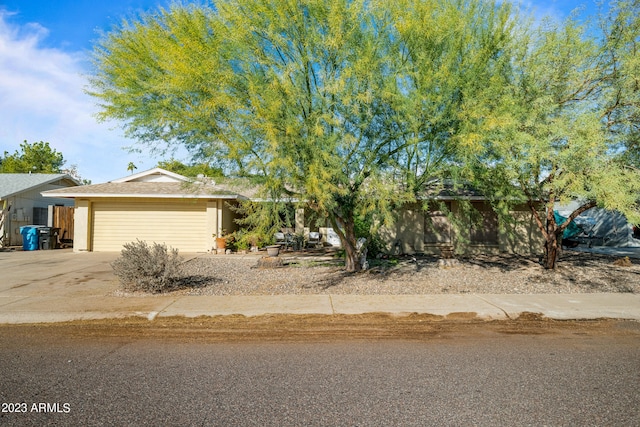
(141, 267)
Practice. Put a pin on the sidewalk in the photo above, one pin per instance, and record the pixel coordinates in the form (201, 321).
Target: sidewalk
(57, 286)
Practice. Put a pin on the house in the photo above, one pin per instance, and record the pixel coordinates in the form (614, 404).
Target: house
(21, 202)
(155, 206)
(164, 207)
(461, 221)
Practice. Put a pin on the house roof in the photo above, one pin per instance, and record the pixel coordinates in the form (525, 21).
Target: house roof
(160, 183)
(448, 191)
(145, 189)
(153, 175)
(15, 183)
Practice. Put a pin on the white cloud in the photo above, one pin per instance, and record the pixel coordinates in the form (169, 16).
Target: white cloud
(42, 99)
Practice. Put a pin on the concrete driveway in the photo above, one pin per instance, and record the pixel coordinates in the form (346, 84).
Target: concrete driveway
(60, 285)
(56, 273)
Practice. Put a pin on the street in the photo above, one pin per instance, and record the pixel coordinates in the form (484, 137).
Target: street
(458, 373)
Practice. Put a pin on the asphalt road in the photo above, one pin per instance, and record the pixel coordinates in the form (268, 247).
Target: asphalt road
(512, 376)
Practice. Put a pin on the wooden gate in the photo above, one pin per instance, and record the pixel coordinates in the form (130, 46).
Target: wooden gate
(63, 219)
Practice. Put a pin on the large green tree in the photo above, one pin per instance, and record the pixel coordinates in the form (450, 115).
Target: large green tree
(37, 157)
(553, 133)
(348, 105)
(620, 28)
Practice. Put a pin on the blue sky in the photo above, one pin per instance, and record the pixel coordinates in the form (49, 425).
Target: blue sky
(44, 49)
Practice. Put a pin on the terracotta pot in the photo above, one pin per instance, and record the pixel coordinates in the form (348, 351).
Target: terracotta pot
(221, 242)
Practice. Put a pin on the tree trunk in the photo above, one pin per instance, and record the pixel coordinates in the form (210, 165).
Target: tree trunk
(551, 252)
(551, 239)
(352, 261)
(554, 232)
(345, 228)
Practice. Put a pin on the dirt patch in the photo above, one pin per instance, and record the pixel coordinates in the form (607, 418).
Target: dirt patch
(316, 328)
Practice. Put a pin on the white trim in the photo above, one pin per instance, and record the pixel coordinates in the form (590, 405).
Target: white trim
(154, 171)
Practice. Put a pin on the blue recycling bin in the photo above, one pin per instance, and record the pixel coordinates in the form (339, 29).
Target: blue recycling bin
(30, 237)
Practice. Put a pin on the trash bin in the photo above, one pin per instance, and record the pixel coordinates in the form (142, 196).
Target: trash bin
(48, 237)
(30, 237)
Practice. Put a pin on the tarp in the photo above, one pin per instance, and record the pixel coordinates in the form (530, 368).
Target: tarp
(572, 230)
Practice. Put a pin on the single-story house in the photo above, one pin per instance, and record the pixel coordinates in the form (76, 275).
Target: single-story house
(155, 206)
(21, 202)
(164, 207)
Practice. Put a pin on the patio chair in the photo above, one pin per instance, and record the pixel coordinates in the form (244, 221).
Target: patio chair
(314, 239)
(283, 239)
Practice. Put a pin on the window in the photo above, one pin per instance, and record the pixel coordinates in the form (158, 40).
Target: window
(437, 227)
(40, 216)
(484, 229)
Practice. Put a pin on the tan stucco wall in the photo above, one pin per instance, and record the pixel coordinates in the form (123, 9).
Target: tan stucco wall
(228, 217)
(82, 224)
(407, 235)
(212, 222)
(523, 238)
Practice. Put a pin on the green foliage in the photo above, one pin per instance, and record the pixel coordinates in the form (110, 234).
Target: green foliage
(621, 81)
(141, 267)
(546, 135)
(351, 106)
(192, 170)
(264, 218)
(357, 107)
(37, 157)
(365, 227)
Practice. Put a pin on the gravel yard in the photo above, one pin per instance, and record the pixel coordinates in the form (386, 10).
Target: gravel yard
(481, 274)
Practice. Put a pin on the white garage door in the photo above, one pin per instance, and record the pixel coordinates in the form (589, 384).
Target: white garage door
(179, 224)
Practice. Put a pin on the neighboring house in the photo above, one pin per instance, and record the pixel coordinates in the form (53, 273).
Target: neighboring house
(22, 204)
(154, 206)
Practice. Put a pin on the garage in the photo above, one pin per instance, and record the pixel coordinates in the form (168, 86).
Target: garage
(153, 206)
(178, 223)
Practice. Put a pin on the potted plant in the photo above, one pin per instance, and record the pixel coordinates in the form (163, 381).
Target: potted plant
(243, 246)
(254, 239)
(221, 241)
(298, 241)
(273, 250)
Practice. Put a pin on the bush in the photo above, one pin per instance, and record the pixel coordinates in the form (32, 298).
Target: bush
(141, 267)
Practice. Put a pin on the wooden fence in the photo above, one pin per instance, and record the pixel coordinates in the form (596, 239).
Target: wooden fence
(63, 219)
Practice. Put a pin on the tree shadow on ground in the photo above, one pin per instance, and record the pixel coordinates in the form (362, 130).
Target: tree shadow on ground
(191, 282)
(594, 272)
(588, 259)
(415, 263)
(330, 280)
(503, 262)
